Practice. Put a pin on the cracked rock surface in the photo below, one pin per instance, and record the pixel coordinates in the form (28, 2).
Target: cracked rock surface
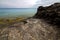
(34, 29)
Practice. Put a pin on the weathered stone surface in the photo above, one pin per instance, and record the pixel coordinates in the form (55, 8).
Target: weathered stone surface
(34, 29)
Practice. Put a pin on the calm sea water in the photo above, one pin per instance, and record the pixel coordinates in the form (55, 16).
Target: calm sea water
(17, 12)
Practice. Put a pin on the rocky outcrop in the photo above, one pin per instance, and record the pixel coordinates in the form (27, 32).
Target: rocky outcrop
(50, 14)
(35, 29)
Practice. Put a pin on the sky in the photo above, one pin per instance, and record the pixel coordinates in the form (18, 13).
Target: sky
(25, 3)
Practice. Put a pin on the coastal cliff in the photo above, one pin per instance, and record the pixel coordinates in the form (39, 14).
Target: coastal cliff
(44, 25)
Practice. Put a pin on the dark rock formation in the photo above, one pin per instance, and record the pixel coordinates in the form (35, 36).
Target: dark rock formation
(50, 14)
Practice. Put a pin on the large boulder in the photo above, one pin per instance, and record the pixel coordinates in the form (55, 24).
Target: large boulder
(51, 14)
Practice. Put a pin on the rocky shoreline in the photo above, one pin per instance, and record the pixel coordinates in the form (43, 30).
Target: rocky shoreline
(38, 27)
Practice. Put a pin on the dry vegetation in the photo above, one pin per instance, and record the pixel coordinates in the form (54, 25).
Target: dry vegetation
(7, 22)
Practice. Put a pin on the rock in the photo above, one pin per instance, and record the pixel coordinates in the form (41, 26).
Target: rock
(34, 29)
(50, 14)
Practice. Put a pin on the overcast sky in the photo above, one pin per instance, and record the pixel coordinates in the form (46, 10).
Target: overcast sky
(25, 3)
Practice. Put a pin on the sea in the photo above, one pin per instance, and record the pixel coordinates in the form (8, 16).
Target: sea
(17, 12)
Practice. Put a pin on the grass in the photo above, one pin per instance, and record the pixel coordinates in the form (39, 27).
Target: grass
(6, 22)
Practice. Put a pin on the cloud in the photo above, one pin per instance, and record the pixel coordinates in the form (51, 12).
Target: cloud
(48, 2)
(18, 3)
(25, 3)
(45, 2)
